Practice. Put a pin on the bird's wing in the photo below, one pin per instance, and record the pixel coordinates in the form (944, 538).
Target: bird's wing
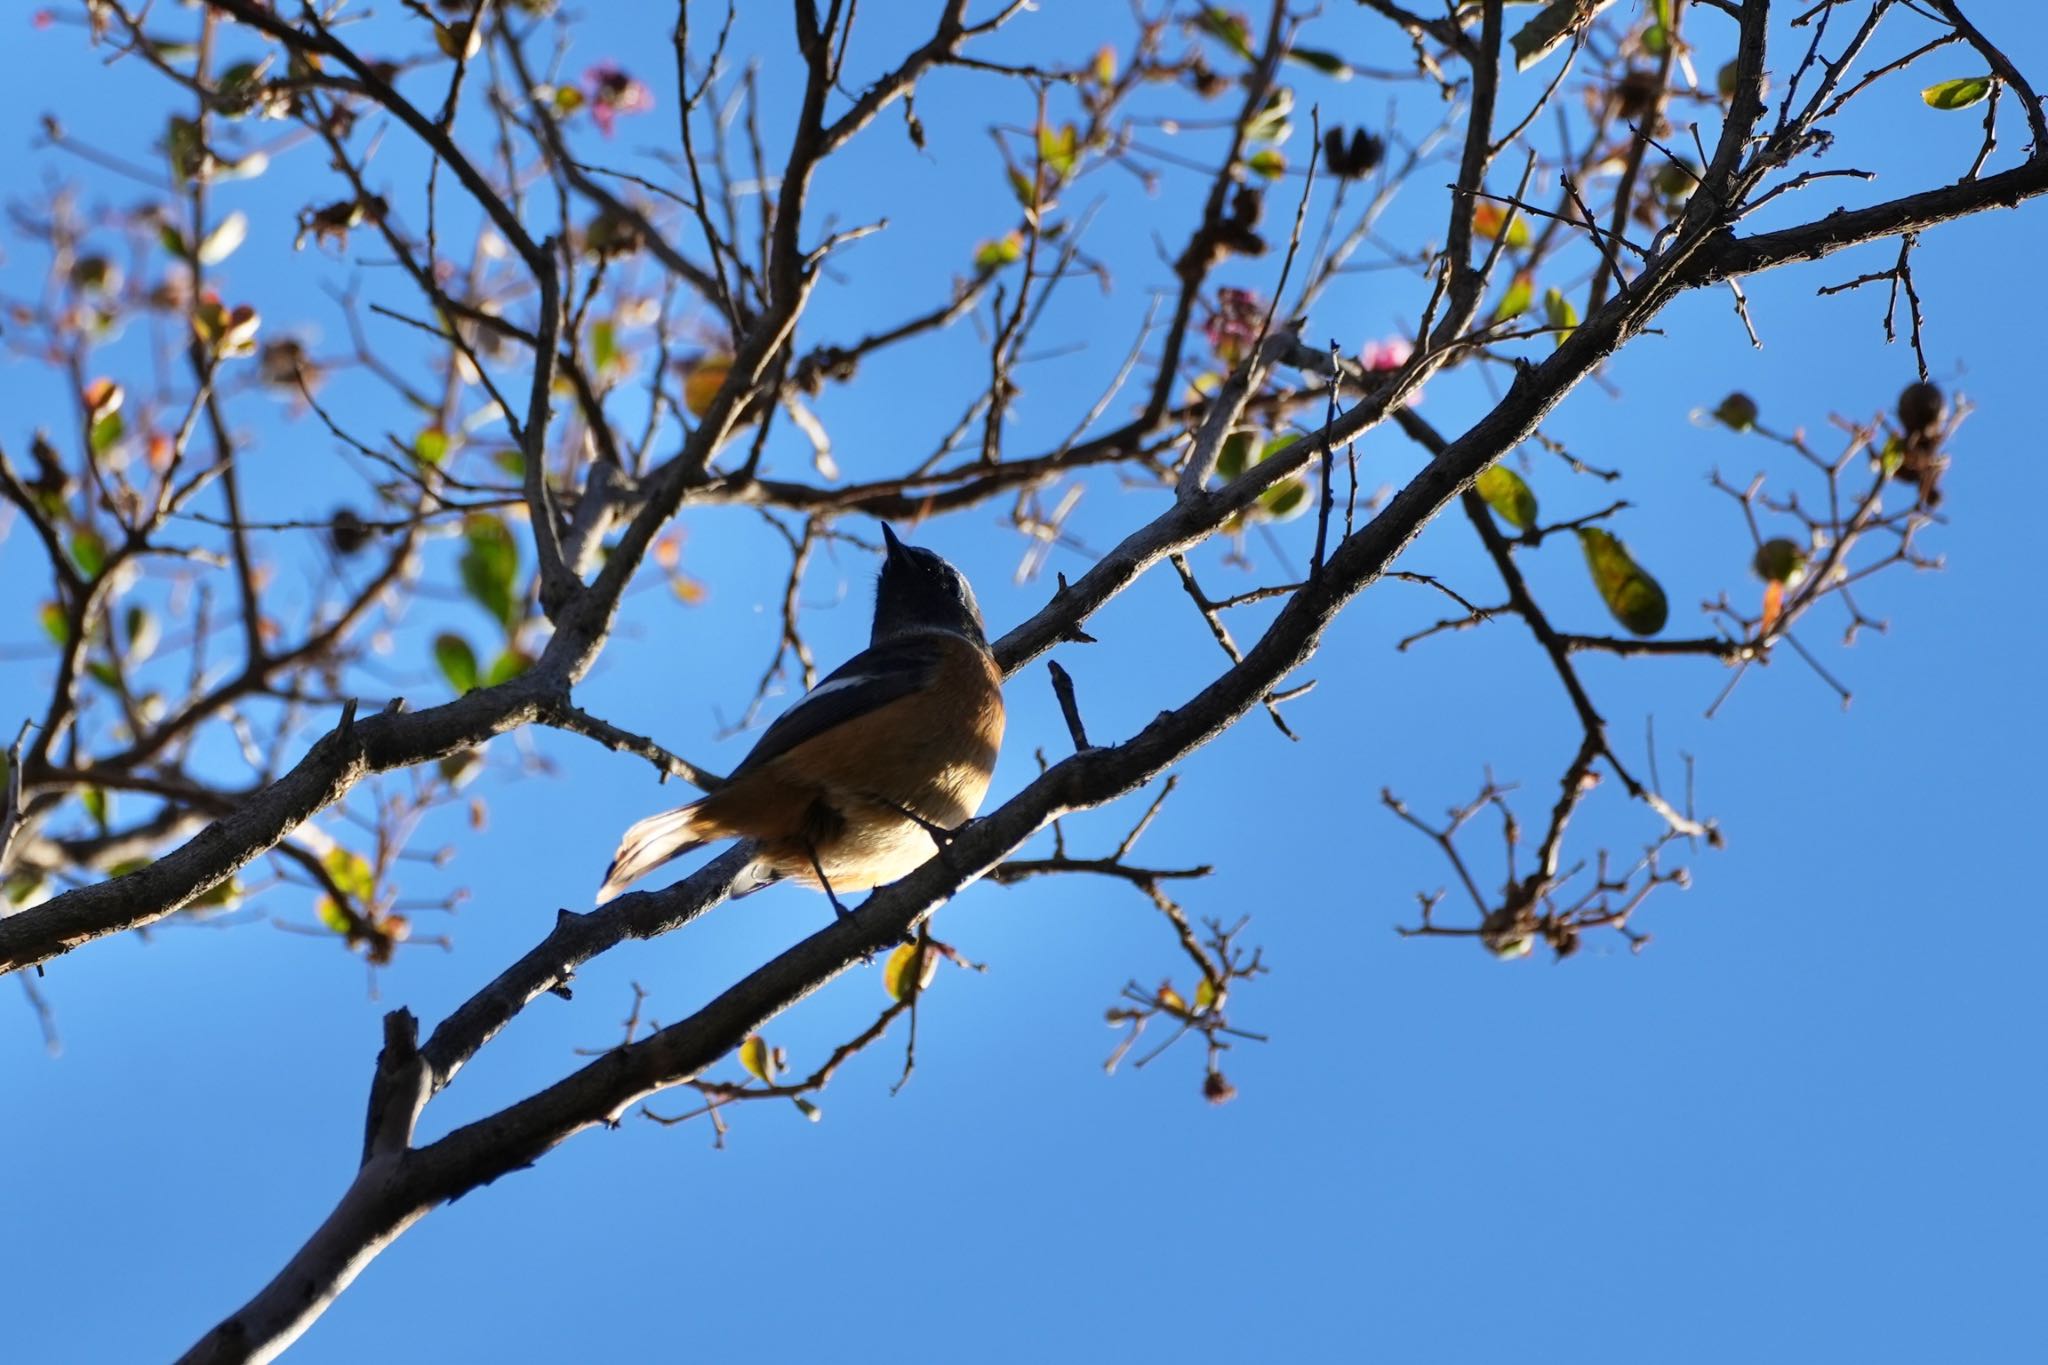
(868, 681)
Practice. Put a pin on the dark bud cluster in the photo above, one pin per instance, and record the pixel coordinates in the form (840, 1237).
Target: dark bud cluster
(1350, 158)
(1239, 232)
(1917, 458)
(347, 531)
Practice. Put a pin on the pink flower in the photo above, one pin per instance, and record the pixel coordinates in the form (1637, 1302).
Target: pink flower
(612, 93)
(1385, 357)
(1382, 356)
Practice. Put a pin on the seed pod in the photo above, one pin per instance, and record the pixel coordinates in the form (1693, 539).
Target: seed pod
(347, 531)
(1921, 408)
(1636, 94)
(1779, 561)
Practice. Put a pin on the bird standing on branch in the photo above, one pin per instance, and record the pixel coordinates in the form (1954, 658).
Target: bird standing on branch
(873, 768)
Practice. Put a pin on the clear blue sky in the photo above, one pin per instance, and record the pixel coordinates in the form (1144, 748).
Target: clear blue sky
(1804, 1125)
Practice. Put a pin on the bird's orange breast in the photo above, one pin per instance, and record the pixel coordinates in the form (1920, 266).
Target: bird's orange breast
(842, 794)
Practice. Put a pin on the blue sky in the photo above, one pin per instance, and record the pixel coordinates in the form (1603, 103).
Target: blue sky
(1804, 1124)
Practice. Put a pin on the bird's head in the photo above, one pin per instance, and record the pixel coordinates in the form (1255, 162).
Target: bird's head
(920, 591)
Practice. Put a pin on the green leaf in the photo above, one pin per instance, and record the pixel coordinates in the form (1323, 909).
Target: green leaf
(457, 661)
(1002, 251)
(1205, 995)
(98, 805)
(1514, 303)
(1023, 187)
(104, 673)
(185, 148)
(1542, 35)
(1508, 495)
(89, 552)
(1632, 595)
(107, 432)
(1286, 499)
(95, 274)
(1236, 455)
(172, 240)
(1058, 149)
(1676, 180)
(1656, 40)
(604, 344)
(56, 622)
(142, 631)
(222, 897)
(430, 446)
(239, 81)
(1269, 163)
(754, 1057)
(1329, 63)
(1508, 949)
(1227, 28)
(460, 768)
(21, 887)
(507, 666)
(1960, 93)
(351, 872)
(1737, 412)
(489, 565)
(1559, 313)
(1270, 123)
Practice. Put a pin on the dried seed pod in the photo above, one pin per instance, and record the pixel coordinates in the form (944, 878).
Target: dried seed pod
(1921, 408)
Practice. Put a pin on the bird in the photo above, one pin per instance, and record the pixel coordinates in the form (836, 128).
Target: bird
(872, 770)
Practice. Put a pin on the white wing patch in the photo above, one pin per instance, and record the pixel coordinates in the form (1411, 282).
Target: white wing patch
(826, 689)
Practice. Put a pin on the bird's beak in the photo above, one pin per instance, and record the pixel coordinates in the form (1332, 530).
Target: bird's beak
(895, 546)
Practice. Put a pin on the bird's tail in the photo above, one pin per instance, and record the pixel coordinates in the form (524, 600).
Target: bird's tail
(651, 843)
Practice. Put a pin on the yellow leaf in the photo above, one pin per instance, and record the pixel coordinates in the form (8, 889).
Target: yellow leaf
(1635, 599)
(460, 38)
(896, 973)
(351, 872)
(701, 385)
(1488, 218)
(1516, 301)
(754, 1057)
(332, 915)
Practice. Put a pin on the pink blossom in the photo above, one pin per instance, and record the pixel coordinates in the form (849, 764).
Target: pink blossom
(612, 92)
(1385, 357)
(1382, 356)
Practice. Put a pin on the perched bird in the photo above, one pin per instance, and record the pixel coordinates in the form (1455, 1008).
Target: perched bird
(870, 771)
